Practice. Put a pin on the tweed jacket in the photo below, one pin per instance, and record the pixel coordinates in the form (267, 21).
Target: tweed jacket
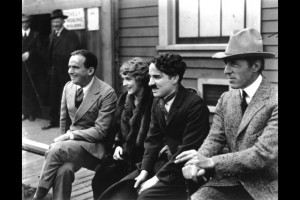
(60, 48)
(186, 128)
(91, 122)
(252, 140)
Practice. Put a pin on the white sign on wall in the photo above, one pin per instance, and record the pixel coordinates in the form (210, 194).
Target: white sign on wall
(75, 19)
(93, 19)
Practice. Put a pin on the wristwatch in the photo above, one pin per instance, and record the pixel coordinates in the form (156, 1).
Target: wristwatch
(71, 136)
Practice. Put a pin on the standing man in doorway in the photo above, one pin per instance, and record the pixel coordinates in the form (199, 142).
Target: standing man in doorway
(62, 43)
(30, 69)
(246, 120)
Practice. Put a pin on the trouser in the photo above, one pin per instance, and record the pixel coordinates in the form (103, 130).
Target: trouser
(58, 79)
(109, 172)
(61, 163)
(223, 192)
(29, 99)
(160, 191)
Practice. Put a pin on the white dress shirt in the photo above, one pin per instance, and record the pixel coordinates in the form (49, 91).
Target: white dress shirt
(251, 89)
(85, 88)
(27, 32)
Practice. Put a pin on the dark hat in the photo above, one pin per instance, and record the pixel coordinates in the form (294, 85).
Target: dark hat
(244, 43)
(120, 190)
(26, 18)
(58, 13)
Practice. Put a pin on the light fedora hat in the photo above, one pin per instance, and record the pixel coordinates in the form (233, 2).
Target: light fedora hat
(244, 43)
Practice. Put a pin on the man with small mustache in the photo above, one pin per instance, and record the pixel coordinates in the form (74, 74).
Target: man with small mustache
(180, 120)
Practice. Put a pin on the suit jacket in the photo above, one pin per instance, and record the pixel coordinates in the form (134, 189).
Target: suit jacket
(252, 140)
(61, 47)
(32, 45)
(186, 128)
(91, 122)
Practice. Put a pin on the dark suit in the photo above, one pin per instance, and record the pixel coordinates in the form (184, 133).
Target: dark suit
(252, 138)
(60, 49)
(90, 124)
(32, 68)
(186, 128)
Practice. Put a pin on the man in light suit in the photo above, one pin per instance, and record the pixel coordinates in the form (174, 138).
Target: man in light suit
(62, 43)
(89, 103)
(247, 124)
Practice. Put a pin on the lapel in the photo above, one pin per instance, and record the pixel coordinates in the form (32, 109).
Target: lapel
(71, 99)
(176, 104)
(90, 98)
(256, 104)
(58, 39)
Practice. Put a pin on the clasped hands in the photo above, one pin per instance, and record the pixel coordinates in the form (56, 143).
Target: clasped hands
(60, 138)
(195, 165)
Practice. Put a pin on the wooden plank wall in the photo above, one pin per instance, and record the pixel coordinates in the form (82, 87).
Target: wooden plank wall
(138, 30)
(138, 25)
(270, 37)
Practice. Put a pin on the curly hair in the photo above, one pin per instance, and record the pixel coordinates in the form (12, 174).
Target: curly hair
(137, 68)
(170, 64)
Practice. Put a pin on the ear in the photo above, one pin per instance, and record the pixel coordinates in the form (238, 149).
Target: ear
(91, 71)
(175, 79)
(256, 66)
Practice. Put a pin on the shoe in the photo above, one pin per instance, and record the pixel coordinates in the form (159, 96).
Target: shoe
(24, 117)
(50, 125)
(31, 118)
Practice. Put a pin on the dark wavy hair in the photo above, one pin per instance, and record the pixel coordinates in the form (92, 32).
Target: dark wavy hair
(90, 58)
(137, 68)
(170, 64)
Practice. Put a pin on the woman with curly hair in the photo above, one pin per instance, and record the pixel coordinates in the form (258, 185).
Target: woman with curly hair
(130, 126)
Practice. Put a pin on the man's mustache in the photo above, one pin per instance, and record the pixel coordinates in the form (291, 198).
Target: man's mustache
(153, 86)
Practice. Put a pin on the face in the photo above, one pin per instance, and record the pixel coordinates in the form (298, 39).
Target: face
(133, 87)
(240, 74)
(57, 23)
(25, 25)
(161, 84)
(78, 73)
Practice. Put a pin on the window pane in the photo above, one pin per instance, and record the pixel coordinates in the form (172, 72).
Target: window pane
(210, 11)
(211, 93)
(232, 15)
(188, 18)
(253, 14)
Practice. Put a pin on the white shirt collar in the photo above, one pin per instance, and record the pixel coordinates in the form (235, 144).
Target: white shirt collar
(85, 88)
(27, 32)
(59, 31)
(251, 89)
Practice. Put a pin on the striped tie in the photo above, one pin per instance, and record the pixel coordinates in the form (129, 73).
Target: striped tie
(79, 97)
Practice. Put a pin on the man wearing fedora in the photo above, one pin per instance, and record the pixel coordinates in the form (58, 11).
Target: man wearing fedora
(246, 120)
(62, 43)
(31, 67)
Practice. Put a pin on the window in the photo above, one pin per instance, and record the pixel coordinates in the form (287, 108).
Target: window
(211, 90)
(204, 24)
(211, 21)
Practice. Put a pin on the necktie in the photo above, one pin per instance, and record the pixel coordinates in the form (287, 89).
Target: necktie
(244, 102)
(25, 35)
(79, 97)
(162, 103)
